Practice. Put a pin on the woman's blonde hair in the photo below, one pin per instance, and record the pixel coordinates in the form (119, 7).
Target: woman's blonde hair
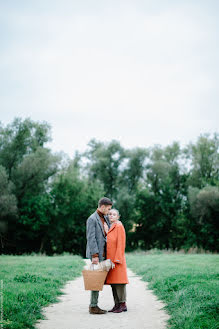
(116, 211)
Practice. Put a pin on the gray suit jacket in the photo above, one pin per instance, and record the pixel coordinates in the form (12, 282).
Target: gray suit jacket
(95, 236)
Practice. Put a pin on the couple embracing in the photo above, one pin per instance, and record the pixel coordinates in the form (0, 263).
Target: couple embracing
(106, 240)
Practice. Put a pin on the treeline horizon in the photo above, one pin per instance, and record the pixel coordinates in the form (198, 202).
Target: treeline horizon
(168, 196)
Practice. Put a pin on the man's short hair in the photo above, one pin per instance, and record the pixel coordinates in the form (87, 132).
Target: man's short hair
(104, 202)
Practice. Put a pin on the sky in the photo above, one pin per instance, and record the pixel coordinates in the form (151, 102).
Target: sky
(140, 72)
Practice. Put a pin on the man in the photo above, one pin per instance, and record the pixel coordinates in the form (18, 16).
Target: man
(96, 243)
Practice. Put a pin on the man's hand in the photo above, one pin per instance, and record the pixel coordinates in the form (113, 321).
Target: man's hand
(95, 260)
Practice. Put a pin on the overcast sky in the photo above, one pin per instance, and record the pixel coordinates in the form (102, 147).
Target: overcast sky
(141, 72)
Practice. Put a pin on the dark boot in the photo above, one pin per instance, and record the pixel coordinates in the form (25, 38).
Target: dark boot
(122, 308)
(96, 310)
(114, 308)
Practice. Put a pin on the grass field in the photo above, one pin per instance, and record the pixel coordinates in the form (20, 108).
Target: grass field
(32, 282)
(188, 284)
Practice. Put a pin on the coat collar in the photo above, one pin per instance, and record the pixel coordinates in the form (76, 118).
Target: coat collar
(113, 226)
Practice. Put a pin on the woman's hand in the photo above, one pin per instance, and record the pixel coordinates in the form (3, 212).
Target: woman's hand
(113, 265)
(106, 228)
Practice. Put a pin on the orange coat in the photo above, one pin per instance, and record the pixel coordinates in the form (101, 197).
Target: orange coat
(115, 249)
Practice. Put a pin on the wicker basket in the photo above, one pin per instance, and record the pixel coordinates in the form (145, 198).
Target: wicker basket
(94, 280)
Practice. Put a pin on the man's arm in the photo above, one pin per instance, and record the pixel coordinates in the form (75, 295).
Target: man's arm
(91, 240)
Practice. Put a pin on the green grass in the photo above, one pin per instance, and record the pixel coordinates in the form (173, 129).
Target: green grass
(32, 282)
(188, 285)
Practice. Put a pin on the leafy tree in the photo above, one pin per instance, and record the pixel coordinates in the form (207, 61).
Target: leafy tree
(133, 172)
(204, 161)
(8, 206)
(29, 167)
(167, 196)
(31, 180)
(8, 201)
(104, 163)
(19, 139)
(160, 202)
(204, 206)
(74, 199)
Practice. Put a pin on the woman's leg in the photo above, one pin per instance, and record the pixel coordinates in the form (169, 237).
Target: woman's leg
(114, 291)
(115, 297)
(121, 292)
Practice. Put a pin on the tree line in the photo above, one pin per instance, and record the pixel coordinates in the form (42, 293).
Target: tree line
(168, 196)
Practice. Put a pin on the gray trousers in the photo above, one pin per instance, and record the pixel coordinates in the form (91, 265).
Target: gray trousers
(94, 296)
(119, 293)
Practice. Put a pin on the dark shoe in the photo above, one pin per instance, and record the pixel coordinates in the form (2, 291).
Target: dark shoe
(114, 308)
(122, 308)
(96, 310)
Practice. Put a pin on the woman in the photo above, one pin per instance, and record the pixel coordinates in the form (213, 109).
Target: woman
(115, 249)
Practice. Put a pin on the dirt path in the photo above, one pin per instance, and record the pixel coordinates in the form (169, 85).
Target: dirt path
(144, 310)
